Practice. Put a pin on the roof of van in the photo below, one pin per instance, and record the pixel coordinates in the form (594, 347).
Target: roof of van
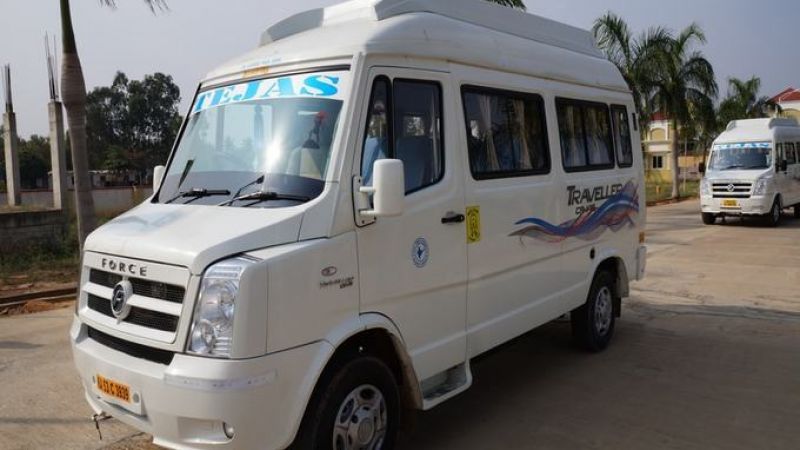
(471, 32)
(750, 130)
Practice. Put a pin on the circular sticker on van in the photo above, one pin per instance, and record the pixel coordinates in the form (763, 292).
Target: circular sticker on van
(420, 252)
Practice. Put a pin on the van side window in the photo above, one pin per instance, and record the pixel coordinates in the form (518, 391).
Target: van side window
(418, 132)
(506, 133)
(790, 153)
(377, 135)
(585, 130)
(405, 122)
(622, 135)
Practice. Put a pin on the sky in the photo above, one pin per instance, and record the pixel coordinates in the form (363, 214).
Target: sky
(745, 38)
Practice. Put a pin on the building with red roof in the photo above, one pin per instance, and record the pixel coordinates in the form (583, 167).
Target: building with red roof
(789, 101)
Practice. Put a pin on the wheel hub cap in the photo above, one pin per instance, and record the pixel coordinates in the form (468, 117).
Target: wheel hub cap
(361, 420)
(603, 310)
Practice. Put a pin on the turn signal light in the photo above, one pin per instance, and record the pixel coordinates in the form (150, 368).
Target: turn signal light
(641, 237)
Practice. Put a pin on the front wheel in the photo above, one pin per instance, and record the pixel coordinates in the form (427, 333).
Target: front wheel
(774, 217)
(709, 218)
(358, 408)
(593, 323)
(797, 211)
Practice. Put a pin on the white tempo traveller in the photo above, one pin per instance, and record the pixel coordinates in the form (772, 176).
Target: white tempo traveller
(352, 212)
(753, 170)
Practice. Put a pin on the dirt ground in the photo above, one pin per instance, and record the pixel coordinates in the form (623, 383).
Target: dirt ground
(704, 357)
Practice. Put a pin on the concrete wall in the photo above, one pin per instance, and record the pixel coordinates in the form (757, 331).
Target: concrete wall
(107, 201)
(28, 229)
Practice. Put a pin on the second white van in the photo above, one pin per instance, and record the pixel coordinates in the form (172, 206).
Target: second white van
(753, 170)
(352, 212)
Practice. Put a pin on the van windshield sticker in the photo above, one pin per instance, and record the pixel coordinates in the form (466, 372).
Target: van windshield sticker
(743, 145)
(316, 85)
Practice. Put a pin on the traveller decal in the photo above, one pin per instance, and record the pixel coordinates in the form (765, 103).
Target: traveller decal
(322, 84)
(420, 252)
(619, 209)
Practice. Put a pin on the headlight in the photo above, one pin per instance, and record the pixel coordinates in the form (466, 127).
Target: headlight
(705, 187)
(212, 325)
(762, 186)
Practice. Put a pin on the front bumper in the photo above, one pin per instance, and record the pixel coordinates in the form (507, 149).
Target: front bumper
(753, 206)
(184, 404)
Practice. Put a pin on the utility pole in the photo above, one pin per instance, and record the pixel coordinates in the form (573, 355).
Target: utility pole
(11, 144)
(58, 156)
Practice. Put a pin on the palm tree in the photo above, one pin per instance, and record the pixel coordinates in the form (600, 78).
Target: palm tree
(73, 96)
(517, 4)
(743, 101)
(634, 56)
(684, 80)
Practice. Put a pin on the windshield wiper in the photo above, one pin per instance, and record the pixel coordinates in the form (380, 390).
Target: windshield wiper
(735, 166)
(239, 191)
(195, 194)
(261, 196)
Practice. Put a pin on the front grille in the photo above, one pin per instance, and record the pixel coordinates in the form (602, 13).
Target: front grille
(137, 316)
(145, 288)
(131, 348)
(731, 190)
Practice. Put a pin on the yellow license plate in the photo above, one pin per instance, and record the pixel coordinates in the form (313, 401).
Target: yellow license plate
(730, 203)
(113, 388)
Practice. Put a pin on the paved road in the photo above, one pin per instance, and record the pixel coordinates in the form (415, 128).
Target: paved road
(704, 357)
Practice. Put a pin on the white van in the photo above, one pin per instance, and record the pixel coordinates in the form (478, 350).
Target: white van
(753, 170)
(352, 212)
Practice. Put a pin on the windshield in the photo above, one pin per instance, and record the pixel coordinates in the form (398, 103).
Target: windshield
(741, 156)
(272, 135)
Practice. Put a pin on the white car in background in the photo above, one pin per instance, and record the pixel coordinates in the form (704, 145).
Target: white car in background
(753, 170)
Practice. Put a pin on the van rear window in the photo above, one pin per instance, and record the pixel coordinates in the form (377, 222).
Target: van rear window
(622, 135)
(506, 133)
(585, 132)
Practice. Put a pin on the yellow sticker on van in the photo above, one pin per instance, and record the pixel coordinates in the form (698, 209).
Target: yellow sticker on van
(473, 224)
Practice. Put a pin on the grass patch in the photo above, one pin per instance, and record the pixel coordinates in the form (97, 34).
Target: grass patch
(657, 192)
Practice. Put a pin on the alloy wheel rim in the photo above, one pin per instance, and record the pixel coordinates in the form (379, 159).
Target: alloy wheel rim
(603, 311)
(361, 420)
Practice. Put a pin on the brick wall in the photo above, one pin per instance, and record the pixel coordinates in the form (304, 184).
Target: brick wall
(30, 229)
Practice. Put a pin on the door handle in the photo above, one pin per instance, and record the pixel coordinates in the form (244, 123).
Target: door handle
(453, 218)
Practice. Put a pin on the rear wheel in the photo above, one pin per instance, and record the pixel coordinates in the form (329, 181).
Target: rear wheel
(797, 211)
(709, 218)
(357, 408)
(774, 217)
(593, 323)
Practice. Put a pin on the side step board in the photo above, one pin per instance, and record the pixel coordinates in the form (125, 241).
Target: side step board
(446, 385)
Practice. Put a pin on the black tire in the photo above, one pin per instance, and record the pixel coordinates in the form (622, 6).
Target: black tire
(773, 219)
(709, 218)
(587, 330)
(797, 211)
(317, 429)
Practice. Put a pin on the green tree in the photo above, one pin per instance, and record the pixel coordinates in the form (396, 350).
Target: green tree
(132, 124)
(684, 81)
(73, 96)
(518, 4)
(636, 57)
(744, 102)
(34, 161)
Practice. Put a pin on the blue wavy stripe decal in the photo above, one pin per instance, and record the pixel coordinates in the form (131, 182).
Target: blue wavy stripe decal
(617, 212)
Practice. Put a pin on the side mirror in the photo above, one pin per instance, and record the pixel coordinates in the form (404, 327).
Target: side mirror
(784, 165)
(158, 175)
(701, 167)
(388, 189)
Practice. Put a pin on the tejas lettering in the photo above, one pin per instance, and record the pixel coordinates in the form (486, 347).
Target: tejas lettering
(324, 85)
(585, 199)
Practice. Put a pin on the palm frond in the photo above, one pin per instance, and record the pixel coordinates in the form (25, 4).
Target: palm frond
(516, 4)
(154, 5)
